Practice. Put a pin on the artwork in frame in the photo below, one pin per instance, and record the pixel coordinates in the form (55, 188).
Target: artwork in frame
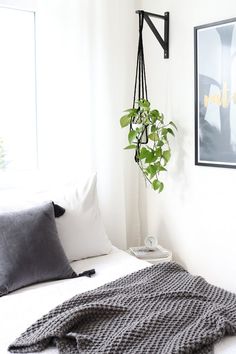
(215, 94)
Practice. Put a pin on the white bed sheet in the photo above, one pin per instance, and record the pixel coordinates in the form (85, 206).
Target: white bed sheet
(23, 307)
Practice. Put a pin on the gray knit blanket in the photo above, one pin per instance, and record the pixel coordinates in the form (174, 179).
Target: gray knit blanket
(160, 309)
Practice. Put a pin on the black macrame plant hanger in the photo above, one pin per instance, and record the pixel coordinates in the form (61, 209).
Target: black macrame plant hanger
(140, 85)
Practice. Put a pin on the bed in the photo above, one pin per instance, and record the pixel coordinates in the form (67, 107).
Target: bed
(76, 241)
(18, 310)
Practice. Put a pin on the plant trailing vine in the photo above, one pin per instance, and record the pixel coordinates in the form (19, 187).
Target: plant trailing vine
(148, 133)
(147, 128)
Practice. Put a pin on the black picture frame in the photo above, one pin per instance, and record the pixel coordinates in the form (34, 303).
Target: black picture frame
(215, 94)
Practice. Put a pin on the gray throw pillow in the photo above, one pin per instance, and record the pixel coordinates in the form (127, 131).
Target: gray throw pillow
(30, 250)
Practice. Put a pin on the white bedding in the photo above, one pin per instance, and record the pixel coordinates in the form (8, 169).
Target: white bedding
(23, 307)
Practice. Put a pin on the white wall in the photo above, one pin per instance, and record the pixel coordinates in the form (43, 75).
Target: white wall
(195, 215)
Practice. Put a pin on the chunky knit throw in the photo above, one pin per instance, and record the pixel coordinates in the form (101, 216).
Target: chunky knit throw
(160, 309)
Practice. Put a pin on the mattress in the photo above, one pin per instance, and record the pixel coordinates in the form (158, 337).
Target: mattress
(21, 308)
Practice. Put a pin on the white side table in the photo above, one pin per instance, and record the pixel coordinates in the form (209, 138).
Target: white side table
(160, 255)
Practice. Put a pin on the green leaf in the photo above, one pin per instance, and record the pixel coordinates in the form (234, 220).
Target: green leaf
(144, 153)
(173, 124)
(161, 168)
(155, 113)
(124, 121)
(152, 170)
(153, 128)
(166, 155)
(153, 119)
(164, 134)
(153, 136)
(151, 157)
(170, 131)
(144, 103)
(156, 184)
(129, 147)
(161, 187)
(160, 143)
(133, 111)
(131, 136)
(164, 131)
(158, 152)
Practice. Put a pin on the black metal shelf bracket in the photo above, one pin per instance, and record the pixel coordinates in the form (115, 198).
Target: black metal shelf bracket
(163, 42)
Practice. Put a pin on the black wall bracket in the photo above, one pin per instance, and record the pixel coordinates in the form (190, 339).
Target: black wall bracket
(164, 42)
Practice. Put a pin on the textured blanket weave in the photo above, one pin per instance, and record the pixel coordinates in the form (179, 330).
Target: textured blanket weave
(160, 309)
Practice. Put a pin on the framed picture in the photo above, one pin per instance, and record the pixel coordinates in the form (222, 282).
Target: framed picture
(215, 94)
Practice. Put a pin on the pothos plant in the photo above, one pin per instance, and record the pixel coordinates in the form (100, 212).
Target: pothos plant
(148, 136)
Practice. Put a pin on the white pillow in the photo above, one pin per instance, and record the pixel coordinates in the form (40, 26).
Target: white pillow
(80, 229)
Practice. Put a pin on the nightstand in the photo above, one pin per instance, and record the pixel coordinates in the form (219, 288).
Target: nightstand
(154, 256)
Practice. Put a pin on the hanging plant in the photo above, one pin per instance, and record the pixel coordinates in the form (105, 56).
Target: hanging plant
(148, 136)
(148, 133)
